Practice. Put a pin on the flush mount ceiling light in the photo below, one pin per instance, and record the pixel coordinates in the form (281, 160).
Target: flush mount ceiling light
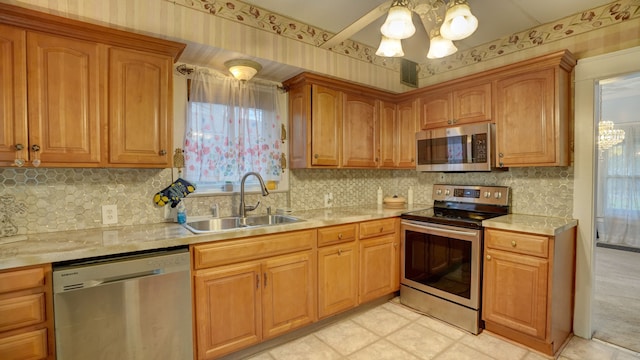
(243, 69)
(456, 23)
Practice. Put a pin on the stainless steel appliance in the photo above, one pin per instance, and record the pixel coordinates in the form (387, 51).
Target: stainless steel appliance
(441, 261)
(460, 148)
(128, 307)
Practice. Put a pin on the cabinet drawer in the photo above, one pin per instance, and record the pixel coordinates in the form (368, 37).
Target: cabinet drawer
(377, 227)
(337, 234)
(21, 311)
(522, 243)
(233, 251)
(31, 345)
(15, 280)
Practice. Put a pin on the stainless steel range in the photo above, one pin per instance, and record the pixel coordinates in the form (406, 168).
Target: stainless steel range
(442, 252)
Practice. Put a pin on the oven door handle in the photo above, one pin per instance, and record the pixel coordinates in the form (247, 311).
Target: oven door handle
(424, 227)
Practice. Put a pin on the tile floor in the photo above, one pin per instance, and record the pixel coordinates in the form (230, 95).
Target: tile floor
(392, 331)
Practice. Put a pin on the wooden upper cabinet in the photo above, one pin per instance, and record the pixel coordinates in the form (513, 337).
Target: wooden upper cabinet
(299, 126)
(13, 94)
(407, 126)
(326, 123)
(531, 102)
(389, 135)
(359, 131)
(64, 92)
(445, 107)
(83, 95)
(139, 108)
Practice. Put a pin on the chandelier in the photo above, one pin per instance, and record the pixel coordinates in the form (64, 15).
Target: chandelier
(443, 22)
(608, 136)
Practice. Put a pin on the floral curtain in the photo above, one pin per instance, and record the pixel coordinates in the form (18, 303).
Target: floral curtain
(621, 189)
(233, 127)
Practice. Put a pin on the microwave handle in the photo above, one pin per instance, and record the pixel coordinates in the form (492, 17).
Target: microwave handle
(426, 227)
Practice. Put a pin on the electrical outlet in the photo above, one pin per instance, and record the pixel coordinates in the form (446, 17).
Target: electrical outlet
(328, 200)
(109, 214)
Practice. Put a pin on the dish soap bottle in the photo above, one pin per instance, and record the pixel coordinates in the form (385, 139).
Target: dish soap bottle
(379, 195)
(182, 213)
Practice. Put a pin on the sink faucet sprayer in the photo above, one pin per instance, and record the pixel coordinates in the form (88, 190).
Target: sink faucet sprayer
(244, 208)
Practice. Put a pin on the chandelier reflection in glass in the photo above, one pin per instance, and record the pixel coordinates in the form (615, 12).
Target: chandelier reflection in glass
(443, 22)
(608, 136)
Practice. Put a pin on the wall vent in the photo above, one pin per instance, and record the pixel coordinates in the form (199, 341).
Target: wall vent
(408, 73)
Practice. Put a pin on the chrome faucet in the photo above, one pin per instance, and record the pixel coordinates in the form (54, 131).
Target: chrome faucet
(244, 208)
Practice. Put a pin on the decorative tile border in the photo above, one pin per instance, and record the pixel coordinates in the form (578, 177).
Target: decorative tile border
(256, 17)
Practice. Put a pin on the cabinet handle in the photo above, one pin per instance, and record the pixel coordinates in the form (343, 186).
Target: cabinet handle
(315, 156)
(265, 280)
(340, 236)
(513, 243)
(339, 252)
(163, 152)
(381, 229)
(257, 281)
(501, 155)
(19, 161)
(395, 245)
(449, 122)
(488, 257)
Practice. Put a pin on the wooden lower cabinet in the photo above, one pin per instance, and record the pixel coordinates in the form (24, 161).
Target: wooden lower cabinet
(26, 314)
(379, 253)
(239, 305)
(337, 278)
(528, 287)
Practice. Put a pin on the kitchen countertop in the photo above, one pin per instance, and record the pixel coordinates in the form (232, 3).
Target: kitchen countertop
(34, 249)
(542, 225)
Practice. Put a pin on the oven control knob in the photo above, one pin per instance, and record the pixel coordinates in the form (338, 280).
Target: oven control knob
(498, 195)
(447, 192)
(439, 191)
(487, 194)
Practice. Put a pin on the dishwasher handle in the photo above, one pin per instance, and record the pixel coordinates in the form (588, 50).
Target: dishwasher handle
(115, 279)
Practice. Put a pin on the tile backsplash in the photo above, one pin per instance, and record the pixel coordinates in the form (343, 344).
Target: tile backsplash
(51, 199)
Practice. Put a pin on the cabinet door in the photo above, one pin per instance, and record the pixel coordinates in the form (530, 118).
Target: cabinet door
(359, 131)
(472, 104)
(407, 128)
(379, 268)
(389, 137)
(65, 99)
(23, 346)
(326, 124)
(299, 126)
(13, 94)
(515, 291)
(435, 110)
(289, 296)
(227, 309)
(140, 108)
(526, 125)
(337, 278)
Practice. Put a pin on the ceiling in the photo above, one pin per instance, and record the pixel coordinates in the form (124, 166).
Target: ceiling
(361, 20)
(496, 18)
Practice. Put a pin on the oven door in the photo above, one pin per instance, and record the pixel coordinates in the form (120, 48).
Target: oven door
(443, 261)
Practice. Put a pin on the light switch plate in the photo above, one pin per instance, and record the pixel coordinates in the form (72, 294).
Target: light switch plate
(109, 214)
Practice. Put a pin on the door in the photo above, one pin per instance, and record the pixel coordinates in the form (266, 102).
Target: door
(337, 278)
(359, 131)
(378, 267)
(65, 99)
(13, 94)
(140, 108)
(288, 300)
(228, 309)
(515, 292)
(326, 124)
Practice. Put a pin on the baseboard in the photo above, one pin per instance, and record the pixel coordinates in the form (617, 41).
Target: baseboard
(617, 247)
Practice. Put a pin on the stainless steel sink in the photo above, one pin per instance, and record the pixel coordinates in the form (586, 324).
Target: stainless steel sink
(235, 222)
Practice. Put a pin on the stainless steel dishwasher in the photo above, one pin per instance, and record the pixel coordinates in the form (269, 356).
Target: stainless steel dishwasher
(129, 307)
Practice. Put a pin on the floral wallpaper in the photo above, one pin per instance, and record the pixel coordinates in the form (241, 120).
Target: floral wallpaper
(256, 17)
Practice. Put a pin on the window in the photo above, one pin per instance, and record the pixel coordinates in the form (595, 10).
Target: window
(232, 128)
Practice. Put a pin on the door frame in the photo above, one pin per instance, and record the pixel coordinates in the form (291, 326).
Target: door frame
(588, 72)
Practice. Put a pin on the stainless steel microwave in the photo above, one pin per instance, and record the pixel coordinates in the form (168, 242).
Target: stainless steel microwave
(462, 148)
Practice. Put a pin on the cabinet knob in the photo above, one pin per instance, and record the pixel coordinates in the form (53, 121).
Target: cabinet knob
(339, 251)
(381, 229)
(340, 236)
(488, 257)
(501, 155)
(395, 245)
(449, 122)
(163, 152)
(513, 243)
(315, 156)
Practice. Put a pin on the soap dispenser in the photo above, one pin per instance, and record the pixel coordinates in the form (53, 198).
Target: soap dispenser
(182, 213)
(379, 195)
